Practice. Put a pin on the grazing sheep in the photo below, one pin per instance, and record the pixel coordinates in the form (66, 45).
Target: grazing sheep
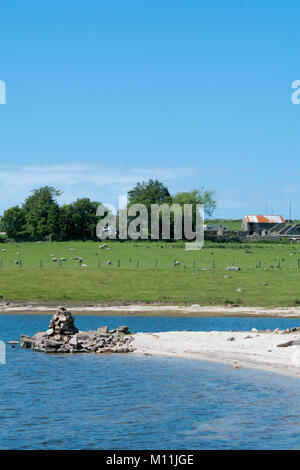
(54, 260)
(78, 258)
(84, 265)
(176, 263)
(3, 249)
(17, 261)
(63, 259)
(72, 249)
(108, 262)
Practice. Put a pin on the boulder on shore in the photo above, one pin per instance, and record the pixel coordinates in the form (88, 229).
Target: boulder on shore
(62, 336)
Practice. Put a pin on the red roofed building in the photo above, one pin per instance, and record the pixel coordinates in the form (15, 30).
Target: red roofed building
(261, 223)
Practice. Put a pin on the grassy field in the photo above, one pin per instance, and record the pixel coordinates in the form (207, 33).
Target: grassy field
(145, 272)
(234, 224)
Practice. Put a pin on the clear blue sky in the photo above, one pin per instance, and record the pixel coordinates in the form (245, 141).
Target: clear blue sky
(102, 94)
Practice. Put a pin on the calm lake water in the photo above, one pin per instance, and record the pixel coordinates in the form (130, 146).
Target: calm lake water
(88, 401)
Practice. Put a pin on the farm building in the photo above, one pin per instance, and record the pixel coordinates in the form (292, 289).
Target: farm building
(261, 224)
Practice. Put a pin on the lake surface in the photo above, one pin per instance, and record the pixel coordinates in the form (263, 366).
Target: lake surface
(125, 401)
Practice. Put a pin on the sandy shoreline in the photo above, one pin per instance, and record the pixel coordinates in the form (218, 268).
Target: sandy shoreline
(159, 310)
(247, 350)
(151, 310)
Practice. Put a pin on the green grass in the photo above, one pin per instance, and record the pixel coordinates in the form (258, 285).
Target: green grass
(234, 224)
(200, 278)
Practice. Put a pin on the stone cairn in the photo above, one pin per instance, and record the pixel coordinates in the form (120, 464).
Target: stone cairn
(63, 337)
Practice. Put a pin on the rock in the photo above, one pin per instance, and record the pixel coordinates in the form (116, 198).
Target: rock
(102, 329)
(73, 341)
(285, 345)
(123, 329)
(232, 338)
(40, 335)
(63, 337)
(26, 341)
(84, 336)
(52, 343)
(63, 322)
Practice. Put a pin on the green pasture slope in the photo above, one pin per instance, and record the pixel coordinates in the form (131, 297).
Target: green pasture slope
(145, 272)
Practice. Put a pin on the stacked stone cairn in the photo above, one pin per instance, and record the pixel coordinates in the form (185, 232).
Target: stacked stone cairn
(63, 337)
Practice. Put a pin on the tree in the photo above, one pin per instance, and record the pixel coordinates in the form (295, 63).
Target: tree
(53, 221)
(65, 222)
(147, 193)
(12, 222)
(36, 210)
(81, 215)
(198, 196)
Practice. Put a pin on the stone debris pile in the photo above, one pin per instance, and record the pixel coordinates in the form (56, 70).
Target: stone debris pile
(63, 337)
(62, 323)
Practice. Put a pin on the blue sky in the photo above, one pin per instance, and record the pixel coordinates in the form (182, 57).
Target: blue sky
(101, 95)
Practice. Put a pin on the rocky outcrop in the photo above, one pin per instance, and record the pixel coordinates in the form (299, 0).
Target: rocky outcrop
(63, 337)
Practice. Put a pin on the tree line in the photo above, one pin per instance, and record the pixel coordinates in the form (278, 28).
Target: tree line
(40, 217)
